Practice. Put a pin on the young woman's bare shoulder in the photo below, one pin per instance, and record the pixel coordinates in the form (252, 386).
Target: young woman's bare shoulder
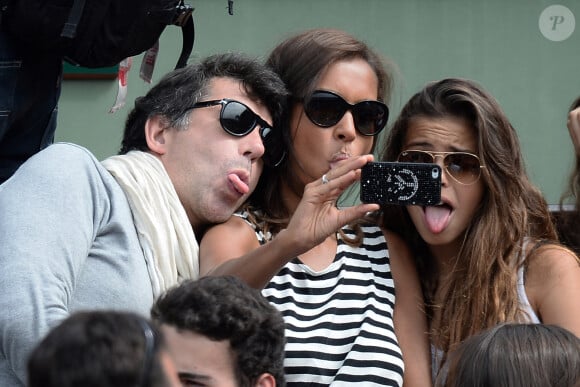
(235, 226)
(552, 284)
(549, 261)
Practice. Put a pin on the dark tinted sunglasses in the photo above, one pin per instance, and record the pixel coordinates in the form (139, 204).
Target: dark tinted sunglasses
(239, 120)
(325, 109)
(464, 168)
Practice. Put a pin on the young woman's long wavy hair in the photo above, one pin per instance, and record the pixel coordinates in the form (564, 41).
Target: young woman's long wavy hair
(482, 290)
(300, 61)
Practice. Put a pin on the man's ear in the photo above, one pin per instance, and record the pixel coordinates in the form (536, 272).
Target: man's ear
(266, 380)
(156, 129)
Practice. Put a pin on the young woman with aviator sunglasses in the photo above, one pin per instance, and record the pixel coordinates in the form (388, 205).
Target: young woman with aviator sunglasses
(349, 292)
(488, 253)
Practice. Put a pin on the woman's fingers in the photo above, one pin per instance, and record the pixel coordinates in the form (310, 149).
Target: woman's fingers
(345, 173)
(349, 214)
(317, 216)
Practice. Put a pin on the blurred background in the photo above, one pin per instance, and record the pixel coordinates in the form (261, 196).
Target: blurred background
(525, 52)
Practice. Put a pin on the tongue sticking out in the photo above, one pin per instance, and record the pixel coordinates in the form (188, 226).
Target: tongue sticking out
(238, 184)
(437, 218)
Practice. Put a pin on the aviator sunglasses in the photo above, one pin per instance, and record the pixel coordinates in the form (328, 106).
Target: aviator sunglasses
(325, 109)
(464, 168)
(239, 120)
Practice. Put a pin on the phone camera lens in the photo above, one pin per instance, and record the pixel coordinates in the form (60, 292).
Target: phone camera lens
(435, 173)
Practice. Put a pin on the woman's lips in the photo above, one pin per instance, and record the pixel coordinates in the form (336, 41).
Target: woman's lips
(338, 158)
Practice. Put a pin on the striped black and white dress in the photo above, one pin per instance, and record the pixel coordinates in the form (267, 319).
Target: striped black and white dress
(339, 321)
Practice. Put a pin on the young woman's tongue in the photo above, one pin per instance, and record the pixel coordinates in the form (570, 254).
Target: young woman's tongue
(437, 218)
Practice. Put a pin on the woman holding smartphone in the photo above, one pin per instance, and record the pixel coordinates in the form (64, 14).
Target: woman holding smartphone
(348, 292)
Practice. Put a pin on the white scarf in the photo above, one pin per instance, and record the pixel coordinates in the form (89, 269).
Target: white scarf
(165, 233)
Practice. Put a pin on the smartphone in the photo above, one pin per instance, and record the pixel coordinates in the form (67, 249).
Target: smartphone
(401, 183)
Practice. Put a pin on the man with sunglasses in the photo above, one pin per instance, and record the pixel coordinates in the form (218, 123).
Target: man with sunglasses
(79, 233)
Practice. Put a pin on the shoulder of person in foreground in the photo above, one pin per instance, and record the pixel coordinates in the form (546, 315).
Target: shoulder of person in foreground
(409, 315)
(552, 283)
(47, 217)
(57, 161)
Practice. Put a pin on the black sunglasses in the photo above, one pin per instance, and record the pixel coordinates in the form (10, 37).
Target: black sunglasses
(325, 109)
(239, 120)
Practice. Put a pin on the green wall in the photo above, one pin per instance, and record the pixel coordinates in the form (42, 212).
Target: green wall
(495, 42)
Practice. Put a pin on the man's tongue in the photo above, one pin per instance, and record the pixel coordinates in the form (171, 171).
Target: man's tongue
(437, 217)
(238, 184)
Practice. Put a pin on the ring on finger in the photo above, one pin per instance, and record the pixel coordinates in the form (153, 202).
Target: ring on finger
(325, 179)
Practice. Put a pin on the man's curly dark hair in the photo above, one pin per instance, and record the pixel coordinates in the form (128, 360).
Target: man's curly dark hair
(225, 308)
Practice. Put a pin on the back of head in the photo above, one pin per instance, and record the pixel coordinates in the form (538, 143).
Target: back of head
(175, 94)
(516, 355)
(225, 308)
(99, 349)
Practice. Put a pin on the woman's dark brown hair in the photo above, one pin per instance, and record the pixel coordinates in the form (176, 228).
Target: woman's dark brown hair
(301, 61)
